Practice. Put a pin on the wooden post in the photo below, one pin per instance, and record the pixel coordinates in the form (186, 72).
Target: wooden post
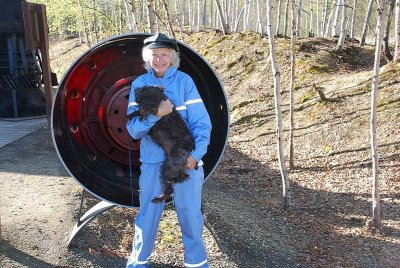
(36, 37)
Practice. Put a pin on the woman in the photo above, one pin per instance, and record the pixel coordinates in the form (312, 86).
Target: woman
(161, 58)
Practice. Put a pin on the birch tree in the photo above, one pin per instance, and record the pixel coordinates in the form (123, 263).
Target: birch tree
(95, 21)
(328, 28)
(317, 19)
(285, 22)
(278, 18)
(366, 23)
(259, 27)
(310, 28)
(83, 21)
(298, 22)
(130, 18)
(190, 16)
(376, 223)
(246, 15)
(204, 15)
(353, 19)
(150, 16)
(396, 57)
(235, 29)
(342, 36)
(335, 26)
(223, 19)
(386, 49)
(278, 113)
(169, 23)
(233, 14)
(292, 81)
(183, 12)
(324, 15)
(198, 15)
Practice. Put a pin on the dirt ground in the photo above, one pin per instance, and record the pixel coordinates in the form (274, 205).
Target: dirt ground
(326, 225)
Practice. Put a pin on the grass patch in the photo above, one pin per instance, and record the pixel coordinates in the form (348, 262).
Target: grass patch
(308, 95)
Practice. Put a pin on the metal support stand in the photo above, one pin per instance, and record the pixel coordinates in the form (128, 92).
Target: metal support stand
(92, 213)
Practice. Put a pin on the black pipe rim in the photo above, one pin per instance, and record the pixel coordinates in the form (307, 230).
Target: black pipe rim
(141, 36)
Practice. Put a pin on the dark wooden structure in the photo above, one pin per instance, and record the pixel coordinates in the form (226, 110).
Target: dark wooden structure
(24, 60)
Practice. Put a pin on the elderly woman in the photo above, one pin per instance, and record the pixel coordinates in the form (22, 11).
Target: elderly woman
(161, 57)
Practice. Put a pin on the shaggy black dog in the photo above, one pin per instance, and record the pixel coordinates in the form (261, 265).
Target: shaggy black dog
(170, 133)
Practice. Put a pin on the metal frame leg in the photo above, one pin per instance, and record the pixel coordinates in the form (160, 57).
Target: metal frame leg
(92, 213)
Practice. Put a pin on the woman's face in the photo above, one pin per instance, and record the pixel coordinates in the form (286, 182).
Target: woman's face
(161, 59)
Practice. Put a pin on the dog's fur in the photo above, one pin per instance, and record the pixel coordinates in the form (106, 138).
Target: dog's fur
(170, 133)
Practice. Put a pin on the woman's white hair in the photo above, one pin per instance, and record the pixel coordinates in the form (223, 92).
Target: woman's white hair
(147, 54)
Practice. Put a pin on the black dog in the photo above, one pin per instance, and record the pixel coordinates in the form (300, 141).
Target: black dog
(170, 133)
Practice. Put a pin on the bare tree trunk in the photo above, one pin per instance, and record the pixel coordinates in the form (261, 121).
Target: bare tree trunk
(328, 29)
(286, 18)
(342, 37)
(204, 14)
(259, 24)
(324, 15)
(150, 16)
(225, 9)
(310, 29)
(95, 22)
(286, 198)
(254, 17)
(183, 12)
(298, 22)
(366, 23)
(335, 27)
(353, 19)
(246, 15)
(292, 83)
(114, 13)
(238, 19)
(143, 15)
(129, 18)
(120, 16)
(193, 18)
(278, 18)
(317, 20)
(376, 224)
(225, 26)
(190, 16)
(169, 24)
(84, 24)
(386, 49)
(397, 33)
(157, 19)
(134, 20)
(235, 10)
(198, 15)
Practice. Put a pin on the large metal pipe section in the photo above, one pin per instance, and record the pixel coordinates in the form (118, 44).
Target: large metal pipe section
(88, 117)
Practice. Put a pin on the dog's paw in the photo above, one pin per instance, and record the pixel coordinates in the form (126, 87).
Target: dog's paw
(158, 199)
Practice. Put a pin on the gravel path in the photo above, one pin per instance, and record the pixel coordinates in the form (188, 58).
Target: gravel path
(39, 206)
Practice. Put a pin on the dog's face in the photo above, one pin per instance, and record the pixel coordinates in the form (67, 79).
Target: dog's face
(148, 99)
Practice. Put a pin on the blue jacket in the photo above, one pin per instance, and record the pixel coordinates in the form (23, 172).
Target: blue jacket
(182, 92)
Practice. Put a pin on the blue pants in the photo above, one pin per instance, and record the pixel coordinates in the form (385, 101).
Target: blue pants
(187, 199)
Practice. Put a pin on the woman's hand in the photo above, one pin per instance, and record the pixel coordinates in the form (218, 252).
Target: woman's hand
(165, 108)
(191, 163)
